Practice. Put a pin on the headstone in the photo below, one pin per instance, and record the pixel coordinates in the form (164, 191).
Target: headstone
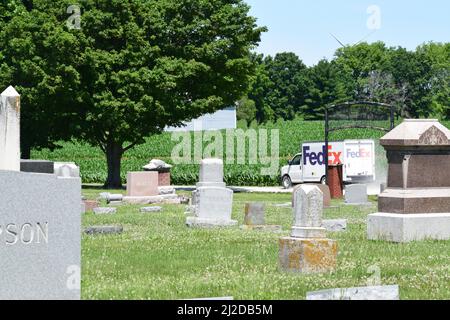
(151, 209)
(325, 191)
(254, 213)
(308, 250)
(356, 194)
(103, 230)
(40, 237)
(212, 202)
(37, 166)
(358, 293)
(114, 198)
(105, 210)
(335, 225)
(142, 184)
(416, 203)
(66, 169)
(90, 205)
(163, 170)
(254, 218)
(40, 222)
(10, 130)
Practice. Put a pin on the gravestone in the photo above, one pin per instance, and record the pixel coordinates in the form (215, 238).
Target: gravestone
(307, 250)
(66, 169)
(254, 213)
(105, 210)
(94, 230)
(40, 222)
(151, 209)
(37, 166)
(90, 205)
(416, 203)
(142, 184)
(10, 130)
(325, 191)
(357, 293)
(211, 201)
(163, 170)
(254, 218)
(356, 194)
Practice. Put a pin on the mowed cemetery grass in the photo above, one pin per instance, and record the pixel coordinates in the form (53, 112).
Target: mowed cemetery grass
(158, 257)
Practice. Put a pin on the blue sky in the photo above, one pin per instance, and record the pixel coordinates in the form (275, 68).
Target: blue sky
(304, 26)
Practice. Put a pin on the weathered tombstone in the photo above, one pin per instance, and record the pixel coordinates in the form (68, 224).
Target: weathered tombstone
(325, 191)
(37, 166)
(103, 230)
(416, 203)
(151, 209)
(356, 194)
(142, 184)
(40, 223)
(211, 202)
(90, 205)
(66, 169)
(254, 218)
(10, 130)
(357, 293)
(308, 250)
(114, 198)
(254, 213)
(105, 210)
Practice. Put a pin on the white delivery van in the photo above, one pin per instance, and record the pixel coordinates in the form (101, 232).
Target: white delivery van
(356, 156)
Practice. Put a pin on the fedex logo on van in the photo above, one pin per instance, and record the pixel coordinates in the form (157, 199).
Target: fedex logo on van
(361, 153)
(315, 158)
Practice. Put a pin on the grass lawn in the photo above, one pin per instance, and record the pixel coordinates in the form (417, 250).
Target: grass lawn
(158, 257)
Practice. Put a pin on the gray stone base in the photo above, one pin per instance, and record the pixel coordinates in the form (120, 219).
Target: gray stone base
(308, 232)
(408, 227)
(268, 228)
(195, 222)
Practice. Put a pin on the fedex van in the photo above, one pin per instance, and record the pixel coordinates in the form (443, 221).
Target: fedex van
(356, 156)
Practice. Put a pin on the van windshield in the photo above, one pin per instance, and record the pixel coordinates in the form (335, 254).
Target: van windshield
(296, 161)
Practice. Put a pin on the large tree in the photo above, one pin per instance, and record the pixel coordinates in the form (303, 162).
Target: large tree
(38, 57)
(145, 64)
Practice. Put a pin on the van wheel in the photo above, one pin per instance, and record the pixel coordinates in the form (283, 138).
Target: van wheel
(323, 180)
(286, 182)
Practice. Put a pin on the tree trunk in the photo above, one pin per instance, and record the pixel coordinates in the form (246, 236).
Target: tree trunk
(114, 153)
(25, 152)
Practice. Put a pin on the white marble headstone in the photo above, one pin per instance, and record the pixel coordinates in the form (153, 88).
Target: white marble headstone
(10, 130)
(308, 209)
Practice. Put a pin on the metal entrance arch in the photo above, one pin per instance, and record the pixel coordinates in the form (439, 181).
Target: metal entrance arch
(357, 115)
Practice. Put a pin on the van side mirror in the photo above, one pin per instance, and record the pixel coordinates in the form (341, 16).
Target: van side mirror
(289, 162)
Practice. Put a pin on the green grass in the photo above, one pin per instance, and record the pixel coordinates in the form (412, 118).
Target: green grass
(158, 257)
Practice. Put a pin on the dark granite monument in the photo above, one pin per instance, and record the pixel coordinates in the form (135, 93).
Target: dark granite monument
(416, 203)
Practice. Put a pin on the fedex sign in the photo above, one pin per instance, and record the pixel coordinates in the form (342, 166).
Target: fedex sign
(361, 153)
(318, 158)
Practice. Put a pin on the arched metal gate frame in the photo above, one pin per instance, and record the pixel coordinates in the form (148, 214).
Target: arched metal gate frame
(390, 111)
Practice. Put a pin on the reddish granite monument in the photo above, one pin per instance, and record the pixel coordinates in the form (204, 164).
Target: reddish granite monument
(416, 203)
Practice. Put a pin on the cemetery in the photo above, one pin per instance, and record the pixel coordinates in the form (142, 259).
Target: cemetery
(362, 214)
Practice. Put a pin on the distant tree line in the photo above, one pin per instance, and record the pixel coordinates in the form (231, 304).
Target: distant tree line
(416, 82)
